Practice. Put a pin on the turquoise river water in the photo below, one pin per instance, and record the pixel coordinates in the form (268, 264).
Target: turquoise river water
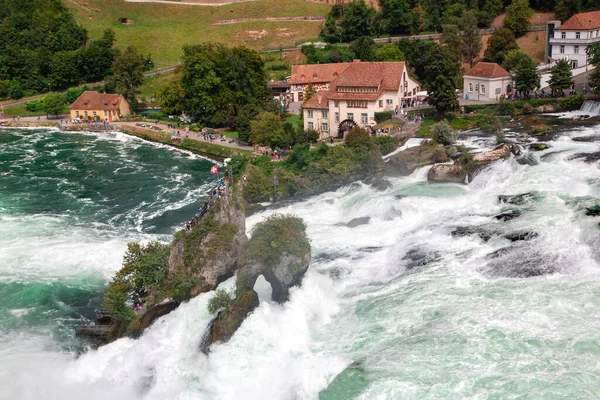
(398, 308)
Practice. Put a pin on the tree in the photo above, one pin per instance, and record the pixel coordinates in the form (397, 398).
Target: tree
(470, 45)
(54, 104)
(388, 52)
(309, 92)
(71, 95)
(500, 43)
(64, 70)
(267, 130)
(358, 138)
(565, 9)
(357, 21)
(512, 58)
(526, 76)
(517, 17)
(95, 61)
(218, 81)
(396, 16)
(451, 38)
(593, 53)
(443, 133)
(220, 301)
(128, 75)
(442, 74)
(170, 97)
(561, 77)
(244, 120)
(363, 48)
(15, 90)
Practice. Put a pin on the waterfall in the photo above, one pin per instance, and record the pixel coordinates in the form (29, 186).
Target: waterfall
(591, 108)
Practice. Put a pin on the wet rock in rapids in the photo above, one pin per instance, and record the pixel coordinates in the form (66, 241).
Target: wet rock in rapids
(508, 215)
(527, 159)
(484, 233)
(516, 199)
(518, 261)
(591, 138)
(358, 222)
(586, 157)
(593, 211)
(418, 257)
(518, 236)
(538, 146)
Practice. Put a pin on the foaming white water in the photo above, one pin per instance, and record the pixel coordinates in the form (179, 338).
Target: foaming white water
(45, 248)
(448, 325)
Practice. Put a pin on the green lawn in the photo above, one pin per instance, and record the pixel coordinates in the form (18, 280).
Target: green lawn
(389, 124)
(152, 84)
(231, 134)
(162, 29)
(293, 119)
(20, 111)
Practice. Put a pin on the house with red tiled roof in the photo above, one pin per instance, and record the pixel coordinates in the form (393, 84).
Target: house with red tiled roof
(99, 107)
(486, 82)
(356, 94)
(570, 40)
(319, 75)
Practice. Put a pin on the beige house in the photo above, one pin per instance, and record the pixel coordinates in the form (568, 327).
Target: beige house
(357, 93)
(99, 107)
(486, 82)
(319, 75)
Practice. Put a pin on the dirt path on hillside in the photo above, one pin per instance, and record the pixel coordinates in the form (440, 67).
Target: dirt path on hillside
(240, 20)
(209, 3)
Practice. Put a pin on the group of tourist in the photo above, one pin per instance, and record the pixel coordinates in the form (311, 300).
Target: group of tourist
(213, 195)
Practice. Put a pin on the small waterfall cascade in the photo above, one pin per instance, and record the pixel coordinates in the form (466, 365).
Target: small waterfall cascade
(591, 108)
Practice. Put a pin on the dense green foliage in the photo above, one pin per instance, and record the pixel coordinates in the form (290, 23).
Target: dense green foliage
(526, 76)
(561, 77)
(593, 52)
(220, 301)
(276, 236)
(127, 75)
(443, 133)
(383, 116)
(143, 267)
(385, 143)
(54, 104)
(517, 17)
(358, 138)
(499, 44)
(170, 97)
(573, 102)
(218, 81)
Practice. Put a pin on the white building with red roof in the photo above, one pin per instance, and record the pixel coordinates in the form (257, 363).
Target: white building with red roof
(570, 40)
(486, 82)
(356, 94)
(319, 75)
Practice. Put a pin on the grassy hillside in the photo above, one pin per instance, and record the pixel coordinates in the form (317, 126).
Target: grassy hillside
(161, 29)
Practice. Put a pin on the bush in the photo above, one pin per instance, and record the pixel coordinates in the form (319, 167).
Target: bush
(383, 116)
(258, 185)
(220, 301)
(357, 137)
(573, 102)
(276, 236)
(505, 108)
(443, 133)
(34, 106)
(386, 144)
(527, 108)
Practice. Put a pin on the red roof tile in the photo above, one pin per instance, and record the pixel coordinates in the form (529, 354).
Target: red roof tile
(386, 75)
(316, 73)
(583, 21)
(487, 70)
(318, 100)
(90, 100)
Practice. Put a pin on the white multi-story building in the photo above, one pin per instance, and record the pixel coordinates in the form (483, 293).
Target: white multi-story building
(570, 40)
(353, 98)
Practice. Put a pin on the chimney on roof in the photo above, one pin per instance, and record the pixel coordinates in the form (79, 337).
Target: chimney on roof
(356, 60)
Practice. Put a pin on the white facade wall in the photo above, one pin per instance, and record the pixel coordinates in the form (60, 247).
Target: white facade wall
(489, 88)
(572, 45)
(298, 90)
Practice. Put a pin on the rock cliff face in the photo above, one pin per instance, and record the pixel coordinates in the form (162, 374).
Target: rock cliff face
(279, 250)
(211, 252)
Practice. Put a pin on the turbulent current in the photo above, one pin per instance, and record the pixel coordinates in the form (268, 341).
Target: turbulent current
(448, 292)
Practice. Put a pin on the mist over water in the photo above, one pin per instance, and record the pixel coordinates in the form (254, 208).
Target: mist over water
(397, 308)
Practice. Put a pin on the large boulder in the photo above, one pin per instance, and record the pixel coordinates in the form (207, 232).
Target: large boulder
(493, 155)
(407, 161)
(447, 173)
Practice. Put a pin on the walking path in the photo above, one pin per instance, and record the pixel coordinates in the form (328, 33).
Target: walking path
(216, 3)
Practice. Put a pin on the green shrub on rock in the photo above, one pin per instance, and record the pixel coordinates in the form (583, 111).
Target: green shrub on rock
(386, 144)
(573, 102)
(220, 301)
(443, 133)
(258, 185)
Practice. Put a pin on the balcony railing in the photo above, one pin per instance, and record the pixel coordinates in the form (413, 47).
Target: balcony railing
(574, 41)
